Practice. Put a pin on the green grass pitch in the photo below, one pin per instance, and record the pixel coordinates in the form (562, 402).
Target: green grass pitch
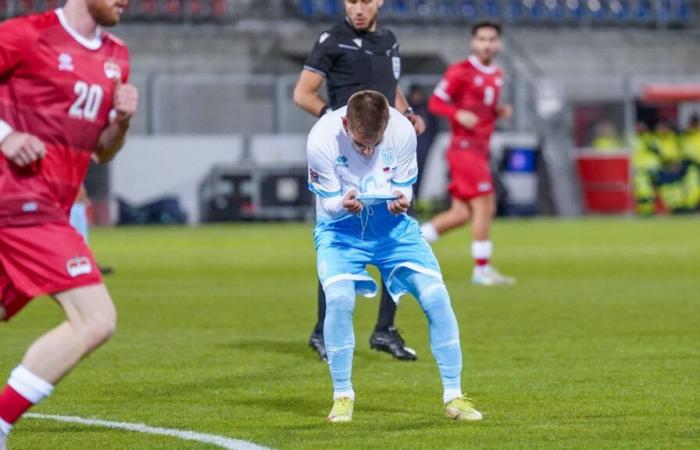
(597, 346)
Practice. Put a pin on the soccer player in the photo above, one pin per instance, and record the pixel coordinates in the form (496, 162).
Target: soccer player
(362, 164)
(354, 55)
(469, 96)
(64, 97)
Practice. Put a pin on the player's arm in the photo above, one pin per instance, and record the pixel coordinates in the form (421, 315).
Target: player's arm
(441, 103)
(113, 136)
(402, 105)
(323, 179)
(21, 149)
(406, 172)
(306, 93)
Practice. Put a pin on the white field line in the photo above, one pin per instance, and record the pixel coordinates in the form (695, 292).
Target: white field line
(213, 439)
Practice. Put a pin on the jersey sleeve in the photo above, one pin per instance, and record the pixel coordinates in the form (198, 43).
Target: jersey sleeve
(323, 180)
(321, 58)
(406, 171)
(442, 101)
(13, 33)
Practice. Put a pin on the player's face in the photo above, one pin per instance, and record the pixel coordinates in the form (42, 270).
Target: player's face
(364, 145)
(107, 13)
(486, 44)
(363, 13)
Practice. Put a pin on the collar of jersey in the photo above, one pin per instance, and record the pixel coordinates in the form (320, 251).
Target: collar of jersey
(480, 67)
(90, 44)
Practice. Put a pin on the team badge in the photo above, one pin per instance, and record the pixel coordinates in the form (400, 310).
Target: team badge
(65, 62)
(358, 42)
(342, 161)
(112, 70)
(499, 81)
(388, 158)
(478, 80)
(396, 65)
(80, 265)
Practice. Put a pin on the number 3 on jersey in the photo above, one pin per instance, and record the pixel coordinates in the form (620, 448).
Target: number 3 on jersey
(87, 105)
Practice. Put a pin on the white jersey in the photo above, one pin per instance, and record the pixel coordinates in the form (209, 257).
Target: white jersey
(336, 166)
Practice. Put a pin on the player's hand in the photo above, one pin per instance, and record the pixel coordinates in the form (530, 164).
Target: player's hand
(400, 205)
(351, 203)
(417, 122)
(125, 101)
(466, 118)
(22, 149)
(505, 112)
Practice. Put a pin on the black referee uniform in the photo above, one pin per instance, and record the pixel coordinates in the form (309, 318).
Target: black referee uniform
(352, 60)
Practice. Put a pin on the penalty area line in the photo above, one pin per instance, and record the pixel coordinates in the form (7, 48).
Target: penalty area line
(213, 439)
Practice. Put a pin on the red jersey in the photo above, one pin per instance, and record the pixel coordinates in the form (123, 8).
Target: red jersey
(471, 86)
(58, 86)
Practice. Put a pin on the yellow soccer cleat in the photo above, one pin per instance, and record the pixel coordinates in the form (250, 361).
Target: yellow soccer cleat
(342, 410)
(461, 408)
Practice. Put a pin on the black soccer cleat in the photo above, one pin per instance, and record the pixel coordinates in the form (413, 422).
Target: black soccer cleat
(316, 342)
(391, 342)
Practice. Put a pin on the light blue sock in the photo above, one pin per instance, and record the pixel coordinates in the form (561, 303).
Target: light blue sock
(339, 336)
(444, 332)
(79, 219)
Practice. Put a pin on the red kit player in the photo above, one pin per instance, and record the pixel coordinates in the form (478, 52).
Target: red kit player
(63, 100)
(469, 96)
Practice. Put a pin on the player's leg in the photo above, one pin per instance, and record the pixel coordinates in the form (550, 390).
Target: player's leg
(316, 341)
(457, 216)
(340, 344)
(444, 341)
(386, 337)
(484, 209)
(91, 319)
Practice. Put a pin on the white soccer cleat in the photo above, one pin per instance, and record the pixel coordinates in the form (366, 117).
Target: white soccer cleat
(488, 276)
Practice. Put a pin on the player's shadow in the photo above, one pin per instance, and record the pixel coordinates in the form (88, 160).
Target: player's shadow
(259, 346)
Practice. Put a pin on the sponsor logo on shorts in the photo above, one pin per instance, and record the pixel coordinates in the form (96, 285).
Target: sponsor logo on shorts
(483, 187)
(30, 207)
(80, 265)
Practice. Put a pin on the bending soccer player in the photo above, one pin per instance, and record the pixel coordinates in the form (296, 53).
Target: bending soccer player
(362, 165)
(63, 99)
(469, 96)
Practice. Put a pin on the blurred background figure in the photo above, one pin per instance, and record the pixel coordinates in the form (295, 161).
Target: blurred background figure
(418, 99)
(606, 138)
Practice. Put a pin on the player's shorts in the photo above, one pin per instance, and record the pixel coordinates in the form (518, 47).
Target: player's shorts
(470, 174)
(394, 244)
(46, 258)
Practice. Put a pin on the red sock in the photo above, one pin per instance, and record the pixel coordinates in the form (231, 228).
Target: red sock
(481, 262)
(12, 405)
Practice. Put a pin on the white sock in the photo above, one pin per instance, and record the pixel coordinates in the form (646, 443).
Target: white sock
(429, 232)
(348, 394)
(450, 394)
(5, 427)
(29, 385)
(482, 250)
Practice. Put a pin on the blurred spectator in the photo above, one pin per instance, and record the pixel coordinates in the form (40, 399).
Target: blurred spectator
(646, 165)
(676, 179)
(418, 99)
(606, 138)
(690, 148)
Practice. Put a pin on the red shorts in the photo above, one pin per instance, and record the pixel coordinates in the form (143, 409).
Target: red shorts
(40, 259)
(470, 174)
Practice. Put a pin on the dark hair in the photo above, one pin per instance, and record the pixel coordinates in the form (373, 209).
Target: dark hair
(486, 24)
(368, 113)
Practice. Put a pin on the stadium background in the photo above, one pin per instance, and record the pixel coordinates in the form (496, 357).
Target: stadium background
(596, 347)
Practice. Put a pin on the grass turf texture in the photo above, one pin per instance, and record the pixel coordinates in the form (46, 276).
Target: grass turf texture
(595, 347)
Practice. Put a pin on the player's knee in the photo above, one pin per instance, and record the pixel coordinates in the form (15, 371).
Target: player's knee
(98, 327)
(460, 215)
(340, 296)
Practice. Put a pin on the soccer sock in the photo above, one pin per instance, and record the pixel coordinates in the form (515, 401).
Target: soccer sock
(444, 331)
(482, 252)
(22, 390)
(79, 220)
(339, 335)
(387, 311)
(321, 314)
(429, 231)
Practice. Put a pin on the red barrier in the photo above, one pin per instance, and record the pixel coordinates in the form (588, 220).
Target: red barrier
(606, 182)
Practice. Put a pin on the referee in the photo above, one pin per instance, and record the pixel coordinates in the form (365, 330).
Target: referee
(356, 55)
